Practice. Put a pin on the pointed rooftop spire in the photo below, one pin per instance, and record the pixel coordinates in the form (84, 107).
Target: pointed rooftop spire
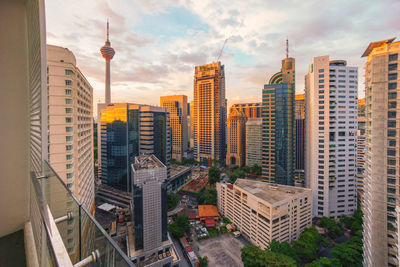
(108, 31)
(287, 48)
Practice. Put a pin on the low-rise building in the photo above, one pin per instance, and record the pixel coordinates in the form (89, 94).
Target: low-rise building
(263, 211)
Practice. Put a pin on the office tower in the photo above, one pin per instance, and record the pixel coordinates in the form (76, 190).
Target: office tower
(279, 126)
(209, 113)
(129, 130)
(381, 178)
(264, 212)
(251, 110)
(70, 124)
(360, 151)
(108, 53)
(236, 139)
(177, 108)
(31, 230)
(331, 130)
(253, 141)
(191, 136)
(300, 137)
(150, 205)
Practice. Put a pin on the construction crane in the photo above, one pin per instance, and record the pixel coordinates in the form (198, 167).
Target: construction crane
(222, 49)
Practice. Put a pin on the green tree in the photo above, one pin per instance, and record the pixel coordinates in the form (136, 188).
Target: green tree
(308, 245)
(349, 253)
(203, 261)
(246, 169)
(183, 221)
(173, 200)
(253, 256)
(180, 226)
(207, 197)
(214, 175)
(237, 173)
(334, 229)
(283, 248)
(324, 262)
(256, 169)
(175, 230)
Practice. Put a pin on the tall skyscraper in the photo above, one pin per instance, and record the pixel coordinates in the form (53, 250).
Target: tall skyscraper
(253, 141)
(381, 181)
(70, 124)
(209, 113)
(236, 153)
(360, 151)
(279, 126)
(300, 137)
(129, 130)
(108, 53)
(331, 130)
(177, 106)
(251, 110)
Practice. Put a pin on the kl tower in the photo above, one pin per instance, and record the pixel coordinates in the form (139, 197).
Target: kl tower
(108, 53)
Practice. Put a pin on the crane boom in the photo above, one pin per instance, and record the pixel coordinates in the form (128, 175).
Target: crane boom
(222, 49)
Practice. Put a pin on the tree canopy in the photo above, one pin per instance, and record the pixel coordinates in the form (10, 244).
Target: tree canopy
(334, 228)
(180, 226)
(207, 197)
(214, 175)
(253, 256)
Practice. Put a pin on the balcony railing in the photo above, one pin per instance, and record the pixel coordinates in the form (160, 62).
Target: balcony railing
(65, 233)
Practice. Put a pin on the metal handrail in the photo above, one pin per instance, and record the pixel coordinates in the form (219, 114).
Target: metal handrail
(92, 219)
(57, 245)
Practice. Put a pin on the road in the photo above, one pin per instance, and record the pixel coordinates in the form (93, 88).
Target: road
(184, 262)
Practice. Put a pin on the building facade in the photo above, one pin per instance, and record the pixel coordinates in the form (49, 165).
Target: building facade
(70, 103)
(331, 130)
(278, 146)
(209, 113)
(253, 141)
(381, 180)
(129, 130)
(150, 206)
(264, 212)
(236, 139)
(251, 110)
(300, 137)
(360, 151)
(177, 107)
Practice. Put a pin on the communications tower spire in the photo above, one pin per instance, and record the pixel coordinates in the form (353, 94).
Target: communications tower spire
(108, 53)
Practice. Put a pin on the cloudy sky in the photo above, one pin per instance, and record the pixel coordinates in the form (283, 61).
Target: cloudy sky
(158, 42)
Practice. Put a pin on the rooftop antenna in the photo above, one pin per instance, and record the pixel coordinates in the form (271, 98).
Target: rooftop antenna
(287, 47)
(108, 31)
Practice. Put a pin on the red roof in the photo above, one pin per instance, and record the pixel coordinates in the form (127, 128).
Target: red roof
(210, 222)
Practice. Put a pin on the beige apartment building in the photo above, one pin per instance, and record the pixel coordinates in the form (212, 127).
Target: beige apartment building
(209, 113)
(70, 100)
(264, 211)
(236, 139)
(177, 108)
(253, 141)
(381, 176)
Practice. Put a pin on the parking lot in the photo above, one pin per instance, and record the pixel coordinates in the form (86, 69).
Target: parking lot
(223, 250)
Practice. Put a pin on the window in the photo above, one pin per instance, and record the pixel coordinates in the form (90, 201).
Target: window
(68, 82)
(391, 114)
(68, 91)
(70, 175)
(70, 166)
(321, 76)
(392, 76)
(322, 70)
(321, 81)
(392, 104)
(342, 70)
(68, 129)
(68, 110)
(393, 66)
(68, 120)
(321, 86)
(68, 72)
(392, 142)
(68, 101)
(391, 124)
(69, 147)
(393, 57)
(392, 86)
(68, 157)
(68, 138)
(391, 152)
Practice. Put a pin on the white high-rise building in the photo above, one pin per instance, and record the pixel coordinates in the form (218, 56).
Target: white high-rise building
(253, 141)
(70, 124)
(381, 172)
(331, 130)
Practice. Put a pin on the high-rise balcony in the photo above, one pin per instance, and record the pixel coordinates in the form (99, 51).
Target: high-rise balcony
(61, 232)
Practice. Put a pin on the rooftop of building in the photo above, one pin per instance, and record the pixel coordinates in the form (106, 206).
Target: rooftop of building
(271, 193)
(338, 63)
(207, 211)
(176, 170)
(147, 162)
(247, 104)
(376, 44)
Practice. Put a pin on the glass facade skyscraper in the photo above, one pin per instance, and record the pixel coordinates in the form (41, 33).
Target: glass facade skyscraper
(127, 131)
(278, 126)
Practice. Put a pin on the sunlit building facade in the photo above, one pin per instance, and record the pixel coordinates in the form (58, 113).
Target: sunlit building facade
(381, 176)
(127, 131)
(177, 107)
(70, 101)
(209, 113)
(331, 130)
(278, 143)
(251, 110)
(360, 151)
(236, 139)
